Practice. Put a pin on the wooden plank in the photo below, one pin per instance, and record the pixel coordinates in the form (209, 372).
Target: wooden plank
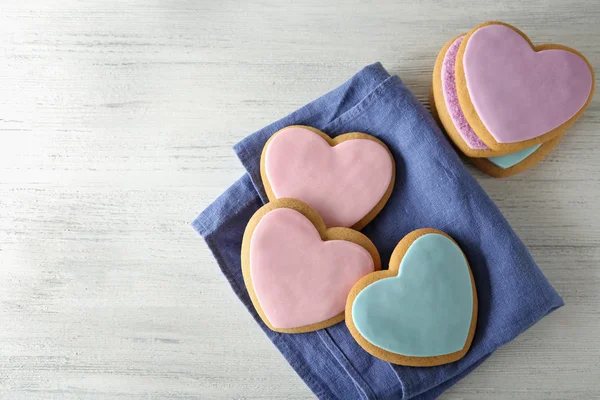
(117, 120)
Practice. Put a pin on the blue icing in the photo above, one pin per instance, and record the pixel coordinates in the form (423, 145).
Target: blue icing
(509, 160)
(426, 309)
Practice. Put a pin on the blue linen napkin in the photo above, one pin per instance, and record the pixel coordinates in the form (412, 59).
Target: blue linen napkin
(432, 190)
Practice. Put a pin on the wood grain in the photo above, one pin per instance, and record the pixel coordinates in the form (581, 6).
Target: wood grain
(117, 121)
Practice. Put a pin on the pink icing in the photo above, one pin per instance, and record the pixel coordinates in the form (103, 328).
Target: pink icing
(299, 279)
(342, 183)
(520, 94)
(451, 98)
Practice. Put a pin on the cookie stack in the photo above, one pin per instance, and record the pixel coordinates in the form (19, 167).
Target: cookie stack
(306, 266)
(504, 102)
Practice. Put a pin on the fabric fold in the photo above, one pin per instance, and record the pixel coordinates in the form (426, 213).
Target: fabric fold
(432, 190)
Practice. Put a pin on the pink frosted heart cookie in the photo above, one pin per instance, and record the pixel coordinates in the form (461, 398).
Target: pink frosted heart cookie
(446, 108)
(347, 179)
(514, 94)
(297, 271)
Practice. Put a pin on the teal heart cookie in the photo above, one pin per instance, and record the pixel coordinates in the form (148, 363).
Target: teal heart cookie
(421, 311)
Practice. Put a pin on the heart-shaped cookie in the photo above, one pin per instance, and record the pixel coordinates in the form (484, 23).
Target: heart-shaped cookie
(347, 179)
(515, 94)
(298, 272)
(422, 311)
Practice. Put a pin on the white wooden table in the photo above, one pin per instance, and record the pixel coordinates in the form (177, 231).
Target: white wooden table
(117, 121)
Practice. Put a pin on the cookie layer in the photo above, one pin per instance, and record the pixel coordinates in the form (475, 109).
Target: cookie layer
(512, 159)
(503, 167)
(451, 99)
(347, 180)
(298, 273)
(446, 104)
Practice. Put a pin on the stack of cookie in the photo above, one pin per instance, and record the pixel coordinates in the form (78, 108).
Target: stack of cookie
(504, 102)
(306, 266)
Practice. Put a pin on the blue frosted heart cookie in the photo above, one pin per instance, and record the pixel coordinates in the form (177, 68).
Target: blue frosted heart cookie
(422, 311)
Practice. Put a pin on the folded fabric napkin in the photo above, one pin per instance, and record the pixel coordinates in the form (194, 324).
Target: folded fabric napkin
(432, 190)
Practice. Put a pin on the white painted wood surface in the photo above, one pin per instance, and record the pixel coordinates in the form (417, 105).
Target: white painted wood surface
(117, 121)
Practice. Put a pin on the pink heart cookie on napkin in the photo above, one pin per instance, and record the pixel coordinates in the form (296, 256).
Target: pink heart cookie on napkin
(298, 272)
(514, 94)
(347, 180)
